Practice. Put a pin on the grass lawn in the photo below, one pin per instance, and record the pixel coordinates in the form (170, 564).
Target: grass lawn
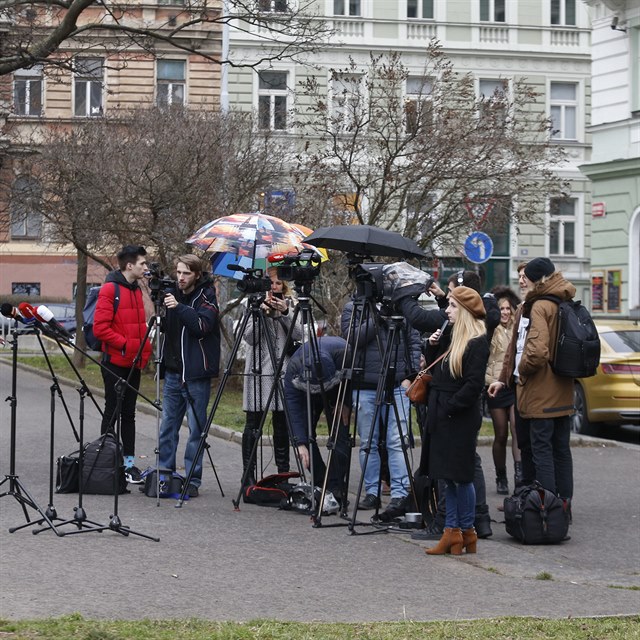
(74, 626)
(229, 413)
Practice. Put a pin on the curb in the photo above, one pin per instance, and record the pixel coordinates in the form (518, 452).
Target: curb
(236, 436)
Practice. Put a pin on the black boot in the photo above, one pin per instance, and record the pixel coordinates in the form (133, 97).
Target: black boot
(517, 473)
(280, 444)
(502, 484)
(482, 522)
(248, 440)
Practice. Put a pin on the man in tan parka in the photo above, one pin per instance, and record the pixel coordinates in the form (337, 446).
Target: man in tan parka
(544, 400)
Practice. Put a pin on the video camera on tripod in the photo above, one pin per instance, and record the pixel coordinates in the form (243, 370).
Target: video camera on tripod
(389, 283)
(159, 283)
(254, 280)
(300, 267)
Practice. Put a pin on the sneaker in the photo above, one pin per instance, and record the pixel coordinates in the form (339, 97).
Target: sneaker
(433, 532)
(369, 502)
(133, 476)
(192, 491)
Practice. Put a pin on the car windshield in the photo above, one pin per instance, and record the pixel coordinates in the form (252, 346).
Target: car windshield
(623, 341)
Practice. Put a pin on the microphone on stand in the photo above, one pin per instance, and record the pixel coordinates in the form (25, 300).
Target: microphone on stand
(45, 315)
(14, 313)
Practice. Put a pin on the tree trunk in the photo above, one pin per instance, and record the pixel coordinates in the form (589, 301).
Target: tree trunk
(79, 360)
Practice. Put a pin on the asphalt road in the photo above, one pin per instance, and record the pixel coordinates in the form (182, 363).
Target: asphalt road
(217, 563)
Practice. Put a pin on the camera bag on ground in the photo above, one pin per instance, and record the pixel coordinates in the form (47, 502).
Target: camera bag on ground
(67, 473)
(103, 467)
(534, 515)
(270, 490)
(577, 352)
(300, 499)
(171, 483)
(89, 311)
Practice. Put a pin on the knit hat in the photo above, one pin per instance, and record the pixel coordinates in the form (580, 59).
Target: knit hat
(469, 299)
(538, 268)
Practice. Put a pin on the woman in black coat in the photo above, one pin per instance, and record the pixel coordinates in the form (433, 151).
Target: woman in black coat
(454, 415)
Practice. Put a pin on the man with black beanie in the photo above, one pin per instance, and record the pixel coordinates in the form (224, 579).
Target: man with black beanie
(544, 400)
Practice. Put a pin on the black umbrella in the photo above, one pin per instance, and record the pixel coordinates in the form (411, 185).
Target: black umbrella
(363, 239)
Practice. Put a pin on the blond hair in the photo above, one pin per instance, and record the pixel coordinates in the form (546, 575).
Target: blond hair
(465, 328)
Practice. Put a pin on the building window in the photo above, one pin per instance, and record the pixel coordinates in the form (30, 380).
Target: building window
(564, 110)
(417, 105)
(562, 226)
(170, 90)
(492, 11)
(421, 211)
(87, 83)
(346, 7)
(346, 102)
(26, 219)
(493, 101)
(27, 91)
(272, 100)
(25, 288)
(563, 12)
(273, 6)
(420, 9)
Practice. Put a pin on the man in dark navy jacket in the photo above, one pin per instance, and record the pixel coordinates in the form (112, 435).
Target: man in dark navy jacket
(190, 358)
(331, 351)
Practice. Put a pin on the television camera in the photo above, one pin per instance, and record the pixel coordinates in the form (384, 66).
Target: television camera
(159, 283)
(301, 267)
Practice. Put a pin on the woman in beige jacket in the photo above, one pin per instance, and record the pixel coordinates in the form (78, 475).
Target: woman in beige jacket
(502, 407)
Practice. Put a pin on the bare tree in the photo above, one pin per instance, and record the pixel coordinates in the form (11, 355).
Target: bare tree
(421, 153)
(151, 176)
(51, 32)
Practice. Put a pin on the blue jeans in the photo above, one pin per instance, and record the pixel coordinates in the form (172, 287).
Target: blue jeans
(461, 504)
(191, 398)
(397, 466)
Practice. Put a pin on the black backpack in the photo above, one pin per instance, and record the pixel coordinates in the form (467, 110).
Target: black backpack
(89, 311)
(102, 466)
(578, 343)
(535, 515)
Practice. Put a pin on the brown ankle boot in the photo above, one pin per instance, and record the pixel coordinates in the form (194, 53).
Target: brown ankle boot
(451, 542)
(469, 540)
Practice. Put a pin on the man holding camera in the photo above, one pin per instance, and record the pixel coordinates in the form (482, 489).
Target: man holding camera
(120, 324)
(190, 358)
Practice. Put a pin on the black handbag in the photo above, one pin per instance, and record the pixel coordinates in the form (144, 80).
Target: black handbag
(67, 473)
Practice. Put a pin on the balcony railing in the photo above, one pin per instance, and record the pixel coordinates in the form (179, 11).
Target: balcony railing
(494, 34)
(565, 37)
(421, 30)
(349, 28)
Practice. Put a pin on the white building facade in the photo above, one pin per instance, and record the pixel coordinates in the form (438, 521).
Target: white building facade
(615, 162)
(545, 41)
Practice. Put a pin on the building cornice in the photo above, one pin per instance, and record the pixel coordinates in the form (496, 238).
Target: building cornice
(623, 168)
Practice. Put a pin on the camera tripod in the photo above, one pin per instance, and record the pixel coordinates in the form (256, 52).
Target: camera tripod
(311, 364)
(254, 314)
(365, 317)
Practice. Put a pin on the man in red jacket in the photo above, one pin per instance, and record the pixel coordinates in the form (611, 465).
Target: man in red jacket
(120, 324)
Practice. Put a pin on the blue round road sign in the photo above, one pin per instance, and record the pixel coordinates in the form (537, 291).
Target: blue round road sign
(478, 247)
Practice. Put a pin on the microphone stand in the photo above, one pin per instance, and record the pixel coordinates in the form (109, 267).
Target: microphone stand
(16, 488)
(79, 519)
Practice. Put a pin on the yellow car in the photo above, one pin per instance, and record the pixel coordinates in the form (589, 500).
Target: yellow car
(612, 396)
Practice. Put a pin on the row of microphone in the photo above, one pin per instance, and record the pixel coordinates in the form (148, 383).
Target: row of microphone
(29, 315)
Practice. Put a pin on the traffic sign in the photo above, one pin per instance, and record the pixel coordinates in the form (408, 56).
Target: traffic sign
(478, 247)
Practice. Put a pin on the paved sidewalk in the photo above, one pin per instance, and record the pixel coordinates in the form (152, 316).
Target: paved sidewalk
(217, 563)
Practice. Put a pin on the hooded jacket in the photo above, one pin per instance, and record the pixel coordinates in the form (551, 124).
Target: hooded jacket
(540, 392)
(331, 350)
(192, 333)
(121, 332)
